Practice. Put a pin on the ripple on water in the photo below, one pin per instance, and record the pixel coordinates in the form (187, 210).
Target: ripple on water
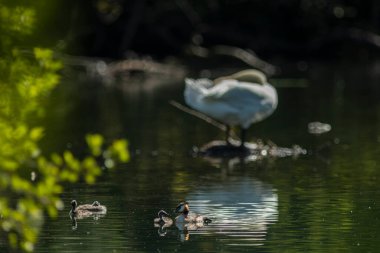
(241, 211)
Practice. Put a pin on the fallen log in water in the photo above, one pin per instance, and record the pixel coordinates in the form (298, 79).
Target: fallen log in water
(259, 149)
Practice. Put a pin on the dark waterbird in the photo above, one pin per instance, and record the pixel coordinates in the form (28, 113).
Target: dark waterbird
(187, 217)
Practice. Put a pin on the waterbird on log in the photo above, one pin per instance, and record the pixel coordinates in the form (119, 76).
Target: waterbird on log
(240, 99)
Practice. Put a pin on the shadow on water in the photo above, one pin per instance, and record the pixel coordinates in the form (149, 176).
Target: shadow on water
(325, 199)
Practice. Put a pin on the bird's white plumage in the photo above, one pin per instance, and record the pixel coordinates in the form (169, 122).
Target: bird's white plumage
(231, 101)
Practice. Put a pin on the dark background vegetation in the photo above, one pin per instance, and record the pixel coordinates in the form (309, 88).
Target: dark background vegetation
(281, 28)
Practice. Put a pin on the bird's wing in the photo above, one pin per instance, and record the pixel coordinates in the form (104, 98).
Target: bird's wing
(201, 82)
(243, 103)
(230, 93)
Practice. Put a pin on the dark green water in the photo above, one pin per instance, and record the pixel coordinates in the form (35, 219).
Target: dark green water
(327, 200)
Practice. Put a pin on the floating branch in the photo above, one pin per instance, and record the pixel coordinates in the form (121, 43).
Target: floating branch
(246, 56)
(105, 67)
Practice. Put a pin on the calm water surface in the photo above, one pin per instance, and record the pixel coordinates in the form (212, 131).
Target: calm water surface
(327, 200)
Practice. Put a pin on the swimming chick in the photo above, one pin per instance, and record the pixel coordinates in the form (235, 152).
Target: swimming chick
(163, 219)
(186, 217)
(87, 209)
(162, 222)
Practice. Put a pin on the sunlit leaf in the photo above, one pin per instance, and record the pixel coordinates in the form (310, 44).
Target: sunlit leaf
(71, 162)
(109, 163)
(28, 246)
(92, 167)
(36, 133)
(19, 184)
(90, 179)
(95, 142)
(57, 159)
(69, 176)
(9, 165)
(43, 53)
(120, 148)
(20, 132)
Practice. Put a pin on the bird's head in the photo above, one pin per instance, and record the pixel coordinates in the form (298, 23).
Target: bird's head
(163, 213)
(74, 204)
(182, 207)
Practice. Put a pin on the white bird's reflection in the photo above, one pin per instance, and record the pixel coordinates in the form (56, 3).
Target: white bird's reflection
(241, 209)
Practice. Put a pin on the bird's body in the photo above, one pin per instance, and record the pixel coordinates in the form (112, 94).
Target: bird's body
(87, 209)
(186, 217)
(241, 99)
(163, 218)
(190, 218)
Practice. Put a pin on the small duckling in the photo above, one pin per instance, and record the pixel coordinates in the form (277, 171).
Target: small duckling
(87, 209)
(162, 222)
(184, 217)
(163, 218)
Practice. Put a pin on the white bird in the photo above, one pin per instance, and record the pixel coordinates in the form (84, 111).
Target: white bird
(240, 99)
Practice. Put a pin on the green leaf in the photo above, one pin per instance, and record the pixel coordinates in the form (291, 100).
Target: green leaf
(42, 53)
(36, 133)
(57, 159)
(70, 161)
(95, 142)
(9, 165)
(120, 149)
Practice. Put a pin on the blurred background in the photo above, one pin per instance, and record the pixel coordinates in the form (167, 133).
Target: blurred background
(297, 29)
